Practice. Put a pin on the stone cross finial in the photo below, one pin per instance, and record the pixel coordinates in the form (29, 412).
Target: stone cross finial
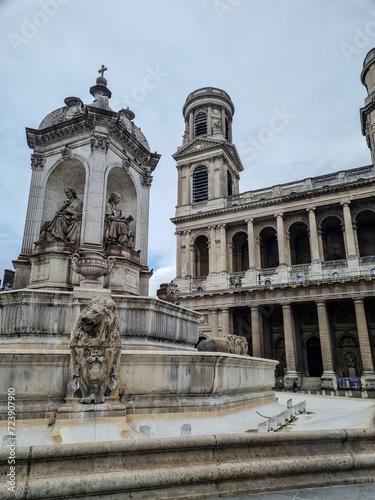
(102, 69)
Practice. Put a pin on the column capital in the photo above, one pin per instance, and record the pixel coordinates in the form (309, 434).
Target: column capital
(358, 301)
(287, 305)
(345, 202)
(310, 209)
(320, 303)
(250, 219)
(279, 214)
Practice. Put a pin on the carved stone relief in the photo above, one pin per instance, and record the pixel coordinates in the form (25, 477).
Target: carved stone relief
(96, 349)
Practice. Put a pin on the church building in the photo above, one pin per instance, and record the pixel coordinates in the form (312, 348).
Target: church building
(291, 267)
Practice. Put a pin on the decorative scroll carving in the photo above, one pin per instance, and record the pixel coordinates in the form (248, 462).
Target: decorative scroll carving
(233, 344)
(96, 349)
(99, 144)
(37, 161)
(146, 179)
(66, 152)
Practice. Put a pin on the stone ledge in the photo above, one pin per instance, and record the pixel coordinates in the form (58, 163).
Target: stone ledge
(193, 467)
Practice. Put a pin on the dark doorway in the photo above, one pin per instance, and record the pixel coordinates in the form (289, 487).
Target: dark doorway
(314, 357)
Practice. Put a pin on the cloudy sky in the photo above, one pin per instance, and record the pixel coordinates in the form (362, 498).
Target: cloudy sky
(298, 58)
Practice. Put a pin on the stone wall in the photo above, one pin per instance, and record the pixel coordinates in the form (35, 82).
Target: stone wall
(192, 467)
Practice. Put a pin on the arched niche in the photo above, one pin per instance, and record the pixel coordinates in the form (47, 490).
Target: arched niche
(365, 223)
(119, 181)
(240, 252)
(201, 259)
(333, 239)
(299, 243)
(269, 252)
(68, 173)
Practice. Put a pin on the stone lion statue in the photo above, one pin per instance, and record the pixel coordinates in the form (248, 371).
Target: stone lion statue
(233, 344)
(96, 350)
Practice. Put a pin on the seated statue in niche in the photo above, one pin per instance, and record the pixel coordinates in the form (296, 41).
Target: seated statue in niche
(66, 225)
(117, 230)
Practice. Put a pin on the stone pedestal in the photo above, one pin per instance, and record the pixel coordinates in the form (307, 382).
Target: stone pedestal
(368, 382)
(50, 267)
(329, 381)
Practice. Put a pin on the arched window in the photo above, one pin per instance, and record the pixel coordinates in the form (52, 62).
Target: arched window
(229, 183)
(240, 252)
(333, 239)
(299, 243)
(200, 184)
(365, 222)
(200, 123)
(269, 251)
(201, 256)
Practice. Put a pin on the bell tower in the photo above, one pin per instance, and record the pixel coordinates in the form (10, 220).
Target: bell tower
(207, 162)
(368, 111)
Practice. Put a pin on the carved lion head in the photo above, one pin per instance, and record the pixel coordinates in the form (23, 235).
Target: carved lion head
(98, 324)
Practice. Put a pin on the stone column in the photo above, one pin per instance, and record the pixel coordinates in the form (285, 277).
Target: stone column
(251, 242)
(190, 260)
(225, 328)
(329, 380)
(187, 258)
(214, 327)
(181, 257)
(281, 238)
(364, 340)
(93, 216)
(256, 332)
(230, 257)
(209, 121)
(258, 258)
(349, 233)
(291, 373)
(212, 251)
(314, 242)
(223, 248)
(191, 126)
(35, 205)
(223, 121)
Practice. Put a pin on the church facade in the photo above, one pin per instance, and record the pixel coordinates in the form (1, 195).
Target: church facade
(291, 267)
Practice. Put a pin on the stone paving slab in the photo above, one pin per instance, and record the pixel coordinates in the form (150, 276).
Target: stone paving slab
(364, 491)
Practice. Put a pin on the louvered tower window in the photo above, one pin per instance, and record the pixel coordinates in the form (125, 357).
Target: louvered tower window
(200, 184)
(200, 123)
(229, 183)
(227, 129)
